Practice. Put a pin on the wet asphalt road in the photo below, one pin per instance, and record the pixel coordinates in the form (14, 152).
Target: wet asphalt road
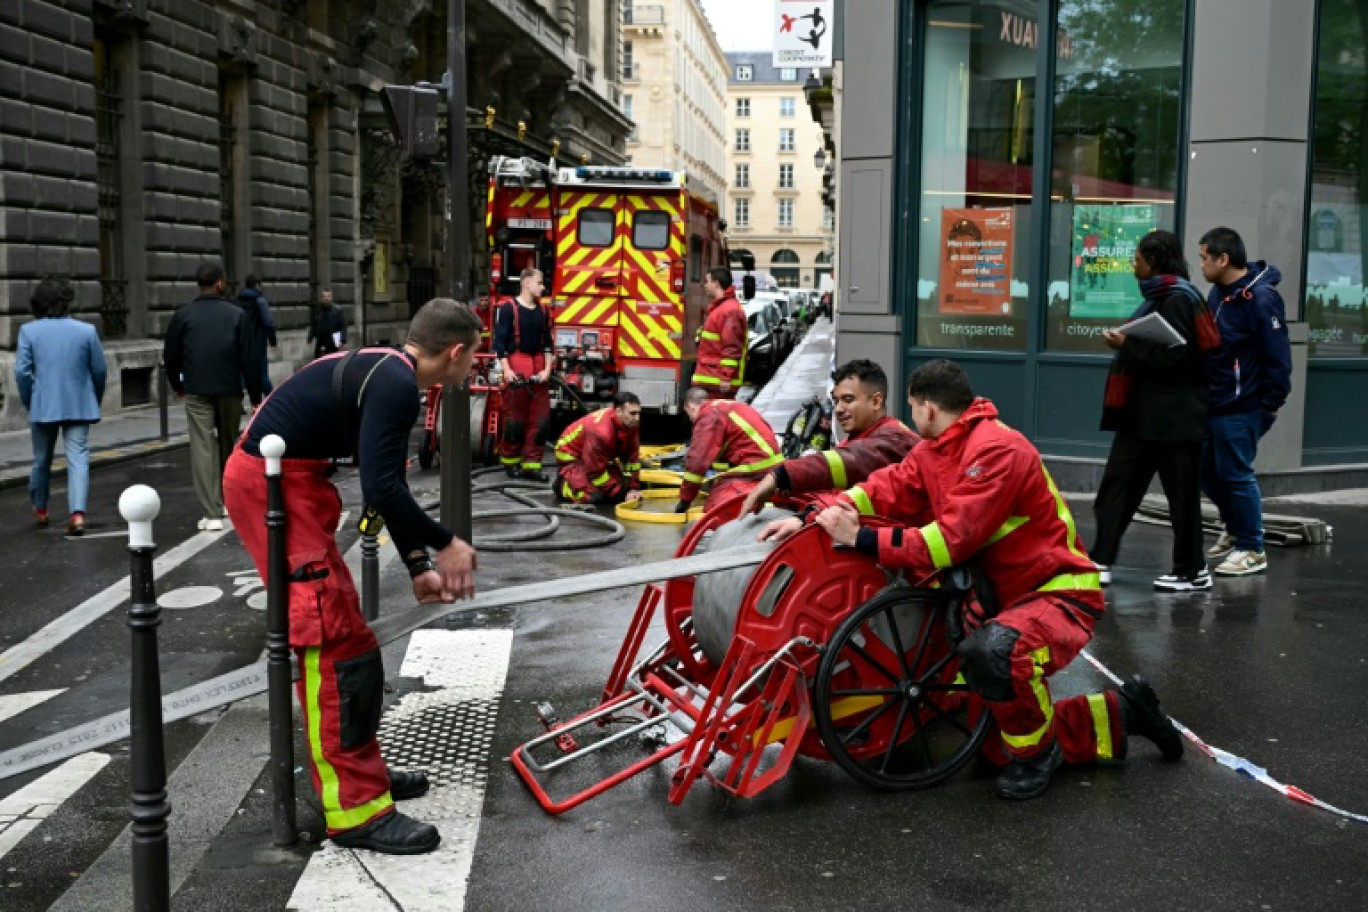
(1271, 668)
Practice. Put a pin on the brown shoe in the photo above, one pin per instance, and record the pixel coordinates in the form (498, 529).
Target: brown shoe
(76, 524)
(40, 516)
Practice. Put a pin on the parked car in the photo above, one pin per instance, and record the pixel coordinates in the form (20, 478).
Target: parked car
(780, 321)
(762, 357)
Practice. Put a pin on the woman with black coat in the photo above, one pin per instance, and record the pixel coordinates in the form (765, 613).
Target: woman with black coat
(1156, 403)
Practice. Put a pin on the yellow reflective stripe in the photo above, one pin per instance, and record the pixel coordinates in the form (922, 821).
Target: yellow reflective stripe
(1039, 659)
(534, 466)
(710, 336)
(721, 466)
(601, 479)
(757, 466)
(704, 379)
(752, 433)
(1064, 515)
(508, 460)
(936, 546)
(729, 362)
(692, 478)
(570, 436)
(632, 466)
(1007, 528)
(837, 466)
(565, 457)
(336, 816)
(1072, 581)
(861, 500)
(1101, 725)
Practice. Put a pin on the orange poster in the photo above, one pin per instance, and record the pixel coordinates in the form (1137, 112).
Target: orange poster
(976, 262)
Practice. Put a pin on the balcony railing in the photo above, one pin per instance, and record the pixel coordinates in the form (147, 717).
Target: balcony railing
(643, 15)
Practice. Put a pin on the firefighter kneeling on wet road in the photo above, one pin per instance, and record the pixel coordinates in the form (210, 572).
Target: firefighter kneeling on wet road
(874, 439)
(975, 491)
(358, 405)
(729, 437)
(522, 342)
(722, 341)
(600, 455)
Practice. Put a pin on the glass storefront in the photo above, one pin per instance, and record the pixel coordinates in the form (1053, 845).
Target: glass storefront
(1334, 308)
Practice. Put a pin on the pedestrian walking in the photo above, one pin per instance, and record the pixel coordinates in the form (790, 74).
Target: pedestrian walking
(328, 328)
(1155, 403)
(60, 370)
(258, 313)
(208, 356)
(522, 343)
(361, 405)
(1250, 376)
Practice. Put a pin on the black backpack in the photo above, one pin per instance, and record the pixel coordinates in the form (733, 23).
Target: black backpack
(809, 428)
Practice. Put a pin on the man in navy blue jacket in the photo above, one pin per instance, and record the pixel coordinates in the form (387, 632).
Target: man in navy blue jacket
(1250, 377)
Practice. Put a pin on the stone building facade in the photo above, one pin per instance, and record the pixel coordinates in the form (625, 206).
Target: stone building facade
(140, 138)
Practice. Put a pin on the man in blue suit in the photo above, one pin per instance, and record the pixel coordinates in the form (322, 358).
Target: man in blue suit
(61, 374)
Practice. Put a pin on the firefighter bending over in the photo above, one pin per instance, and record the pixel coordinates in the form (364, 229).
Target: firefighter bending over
(522, 342)
(729, 437)
(600, 455)
(975, 490)
(722, 340)
(356, 405)
(874, 439)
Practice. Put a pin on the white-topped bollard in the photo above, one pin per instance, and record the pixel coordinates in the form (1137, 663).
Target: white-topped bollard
(272, 450)
(139, 505)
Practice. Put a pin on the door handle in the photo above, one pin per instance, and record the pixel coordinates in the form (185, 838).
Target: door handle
(605, 282)
(854, 289)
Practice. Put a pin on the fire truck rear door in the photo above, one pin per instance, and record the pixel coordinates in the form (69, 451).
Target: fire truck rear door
(588, 257)
(651, 323)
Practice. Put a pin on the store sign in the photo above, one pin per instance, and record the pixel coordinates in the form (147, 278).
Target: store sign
(1021, 32)
(976, 262)
(804, 30)
(1102, 283)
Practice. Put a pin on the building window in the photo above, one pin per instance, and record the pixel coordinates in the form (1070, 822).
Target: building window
(786, 107)
(786, 213)
(741, 209)
(744, 72)
(629, 70)
(629, 113)
(786, 177)
(788, 74)
(743, 140)
(786, 139)
(828, 219)
(784, 268)
(743, 177)
(743, 107)
(108, 168)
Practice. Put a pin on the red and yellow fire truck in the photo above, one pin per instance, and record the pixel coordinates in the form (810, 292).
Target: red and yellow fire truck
(623, 252)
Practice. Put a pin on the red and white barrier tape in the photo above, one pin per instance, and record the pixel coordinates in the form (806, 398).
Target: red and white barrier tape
(1240, 764)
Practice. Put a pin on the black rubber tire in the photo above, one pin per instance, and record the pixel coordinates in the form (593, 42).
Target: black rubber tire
(426, 450)
(918, 755)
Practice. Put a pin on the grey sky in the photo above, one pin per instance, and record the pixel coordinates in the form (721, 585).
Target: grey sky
(742, 25)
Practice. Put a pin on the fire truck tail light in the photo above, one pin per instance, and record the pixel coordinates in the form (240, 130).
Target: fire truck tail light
(677, 276)
(496, 267)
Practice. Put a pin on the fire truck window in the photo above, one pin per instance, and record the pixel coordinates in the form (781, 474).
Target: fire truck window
(595, 227)
(651, 231)
(695, 259)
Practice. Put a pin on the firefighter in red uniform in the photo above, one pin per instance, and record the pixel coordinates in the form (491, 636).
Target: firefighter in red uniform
(730, 437)
(974, 489)
(355, 405)
(722, 341)
(600, 455)
(874, 439)
(522, 342)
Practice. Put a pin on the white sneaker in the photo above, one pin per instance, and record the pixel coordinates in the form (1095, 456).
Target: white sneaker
(1242, 563)
(1103, 574)
(210, 525)
(1222, 546)
(1173, 583)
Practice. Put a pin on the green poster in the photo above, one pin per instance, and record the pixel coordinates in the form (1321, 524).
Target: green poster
(1101, 284)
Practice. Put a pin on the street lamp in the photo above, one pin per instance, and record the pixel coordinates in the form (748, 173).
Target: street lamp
(819, 160)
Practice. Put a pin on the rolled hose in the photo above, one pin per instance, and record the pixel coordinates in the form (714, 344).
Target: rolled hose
(632, 512)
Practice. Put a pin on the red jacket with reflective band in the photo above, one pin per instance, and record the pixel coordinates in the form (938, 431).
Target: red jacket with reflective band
(728, 436)
(980, 488)
(597, 440)
(884, 443)
(721, 345)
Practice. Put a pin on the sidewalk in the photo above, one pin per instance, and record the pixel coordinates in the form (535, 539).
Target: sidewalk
(804, 374)
(117, 438)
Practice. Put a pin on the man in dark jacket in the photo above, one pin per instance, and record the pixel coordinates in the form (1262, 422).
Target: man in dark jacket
(208, 354)
(328, 330)
(1250, 376)
(257, 312)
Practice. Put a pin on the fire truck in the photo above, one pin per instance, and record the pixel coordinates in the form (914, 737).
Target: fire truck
(623, 252)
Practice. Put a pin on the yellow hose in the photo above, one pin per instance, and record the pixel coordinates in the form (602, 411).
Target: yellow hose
(633, 512)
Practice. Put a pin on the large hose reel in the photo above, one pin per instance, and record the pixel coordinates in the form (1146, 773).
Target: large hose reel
(717, 596)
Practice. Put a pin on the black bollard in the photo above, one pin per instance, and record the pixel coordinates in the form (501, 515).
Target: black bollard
(278, 672)
(163, 393)
(139, 505)
(456, 462)
(370, 577)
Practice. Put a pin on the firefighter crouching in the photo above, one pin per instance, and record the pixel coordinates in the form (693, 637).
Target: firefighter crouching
(600, 455)
(729, 437)
(722, 341)
(874, 439)
(522, 342)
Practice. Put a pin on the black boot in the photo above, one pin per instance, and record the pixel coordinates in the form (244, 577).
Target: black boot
(1030, 778)
(406, 784)
(511, 470)
(393, 834)
(1141, 715)
(534, 475)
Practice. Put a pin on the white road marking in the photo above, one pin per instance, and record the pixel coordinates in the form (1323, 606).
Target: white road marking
(87, 535)
(21, 655)
(21, 812)
(13, 704)
(189, 597)
(469, 668)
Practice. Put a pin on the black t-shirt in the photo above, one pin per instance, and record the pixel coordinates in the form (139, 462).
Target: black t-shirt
(303, 411)
(534, 330)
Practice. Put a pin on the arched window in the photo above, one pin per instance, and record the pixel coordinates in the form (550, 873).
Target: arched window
(823, 268)
(784, 268)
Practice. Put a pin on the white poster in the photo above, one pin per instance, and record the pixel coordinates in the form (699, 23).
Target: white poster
(804, 32)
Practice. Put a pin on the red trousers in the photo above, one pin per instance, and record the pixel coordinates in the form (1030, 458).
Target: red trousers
(342, 679)
(729, 487)
(574, 485)
(524, 416)
(1009, 659)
